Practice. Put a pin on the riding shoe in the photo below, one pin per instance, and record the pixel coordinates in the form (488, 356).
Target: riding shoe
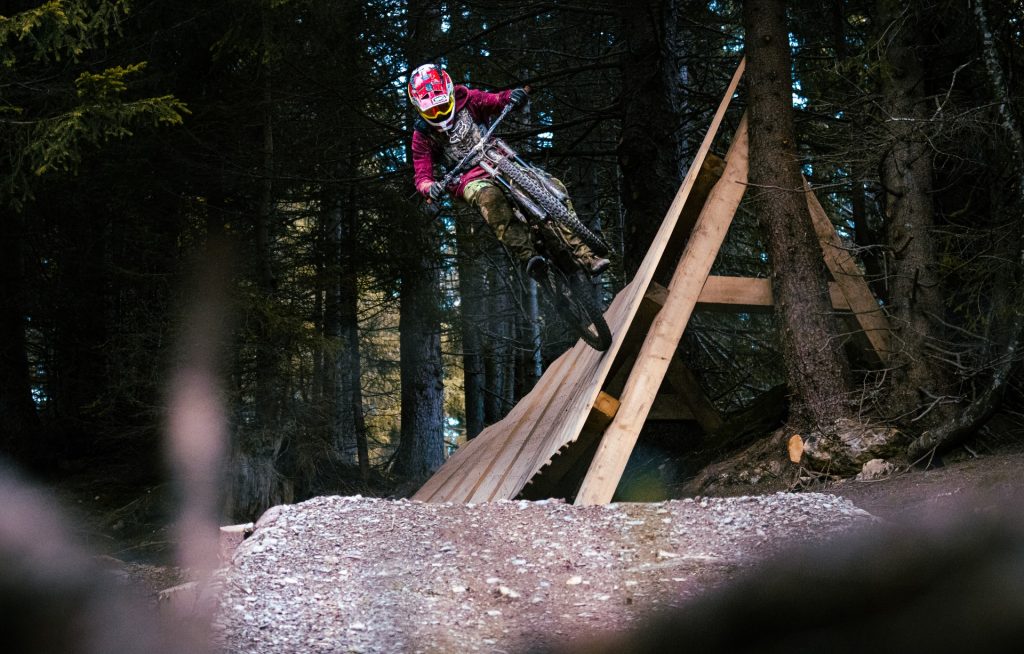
(598, 265)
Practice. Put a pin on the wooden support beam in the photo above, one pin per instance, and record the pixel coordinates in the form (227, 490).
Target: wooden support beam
(751, 294)
(688, 386)
(663, 338)
(850, 281)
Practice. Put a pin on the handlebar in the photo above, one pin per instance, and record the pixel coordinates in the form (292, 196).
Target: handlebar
(458, 169)
(429, 207)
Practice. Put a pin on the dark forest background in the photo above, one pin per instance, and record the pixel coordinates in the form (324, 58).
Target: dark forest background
(363, 341)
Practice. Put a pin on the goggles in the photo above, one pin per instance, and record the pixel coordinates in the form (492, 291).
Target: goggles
(440, 111)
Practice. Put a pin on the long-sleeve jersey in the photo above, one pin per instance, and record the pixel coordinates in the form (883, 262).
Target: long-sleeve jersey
(483, 107)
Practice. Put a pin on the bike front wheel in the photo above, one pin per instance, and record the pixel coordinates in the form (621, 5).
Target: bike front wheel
(572, 297)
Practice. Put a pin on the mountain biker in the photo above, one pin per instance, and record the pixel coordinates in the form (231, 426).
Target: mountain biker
(448, 125)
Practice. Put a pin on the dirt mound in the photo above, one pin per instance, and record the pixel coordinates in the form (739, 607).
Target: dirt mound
(369, 575)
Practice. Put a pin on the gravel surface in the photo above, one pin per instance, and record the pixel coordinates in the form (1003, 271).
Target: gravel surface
(352, 574)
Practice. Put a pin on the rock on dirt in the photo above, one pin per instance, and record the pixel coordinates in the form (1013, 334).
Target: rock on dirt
(352, 574)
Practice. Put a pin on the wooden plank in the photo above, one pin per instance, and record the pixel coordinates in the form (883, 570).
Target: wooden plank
(461, 473)
(476, 484)
(660, 345)
(562, 420)
(546, 483)
(736, 294)
(850, 280)
(753, 294)
(450, 471)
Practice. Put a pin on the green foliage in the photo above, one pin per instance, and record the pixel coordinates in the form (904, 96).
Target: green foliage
(59, 111)
(57, 142)
(58, 29)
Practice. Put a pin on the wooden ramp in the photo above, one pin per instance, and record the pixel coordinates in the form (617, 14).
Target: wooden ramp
(599, 401)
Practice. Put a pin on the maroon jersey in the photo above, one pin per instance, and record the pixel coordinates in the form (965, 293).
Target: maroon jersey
(482, 107)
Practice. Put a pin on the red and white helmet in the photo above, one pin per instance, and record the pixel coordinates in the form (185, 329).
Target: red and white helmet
(432, 93)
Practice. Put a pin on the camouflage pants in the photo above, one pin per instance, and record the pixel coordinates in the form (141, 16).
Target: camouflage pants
(488, 198)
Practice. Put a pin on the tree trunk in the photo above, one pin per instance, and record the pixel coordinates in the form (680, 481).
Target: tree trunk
(499, 357)
(916, 296)
(421, 442)
(342, 369)
(650, 147)
(19, 422)
(257, 480)
(1006, 354)
(351, 363)
(471, 292)
(815, 369)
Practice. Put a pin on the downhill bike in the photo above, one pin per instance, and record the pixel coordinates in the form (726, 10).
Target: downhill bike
(538, 201)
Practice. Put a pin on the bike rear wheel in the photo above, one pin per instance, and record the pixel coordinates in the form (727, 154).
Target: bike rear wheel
(572, 298)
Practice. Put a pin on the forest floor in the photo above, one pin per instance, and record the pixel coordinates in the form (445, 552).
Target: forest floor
(115, 519)
(514, 574)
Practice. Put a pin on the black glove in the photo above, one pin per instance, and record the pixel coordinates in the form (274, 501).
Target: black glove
(518, 98)
(430, 209)
(436, 191)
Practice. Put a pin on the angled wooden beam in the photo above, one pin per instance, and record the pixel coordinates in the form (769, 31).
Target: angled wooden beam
(668, 406)
(663, 338)
(850, 280)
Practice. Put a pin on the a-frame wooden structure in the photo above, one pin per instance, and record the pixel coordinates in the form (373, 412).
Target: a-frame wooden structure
(592, 405)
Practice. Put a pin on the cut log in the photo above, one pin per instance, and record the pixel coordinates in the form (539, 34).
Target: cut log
(230, 538)
(796, 448)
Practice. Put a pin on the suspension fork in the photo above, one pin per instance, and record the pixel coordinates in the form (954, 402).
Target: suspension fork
(518, 196)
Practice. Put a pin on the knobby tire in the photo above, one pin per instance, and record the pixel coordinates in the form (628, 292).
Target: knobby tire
(551, 206)
(573, 299)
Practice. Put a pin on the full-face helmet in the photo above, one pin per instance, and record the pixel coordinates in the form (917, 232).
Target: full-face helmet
(432, 93)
